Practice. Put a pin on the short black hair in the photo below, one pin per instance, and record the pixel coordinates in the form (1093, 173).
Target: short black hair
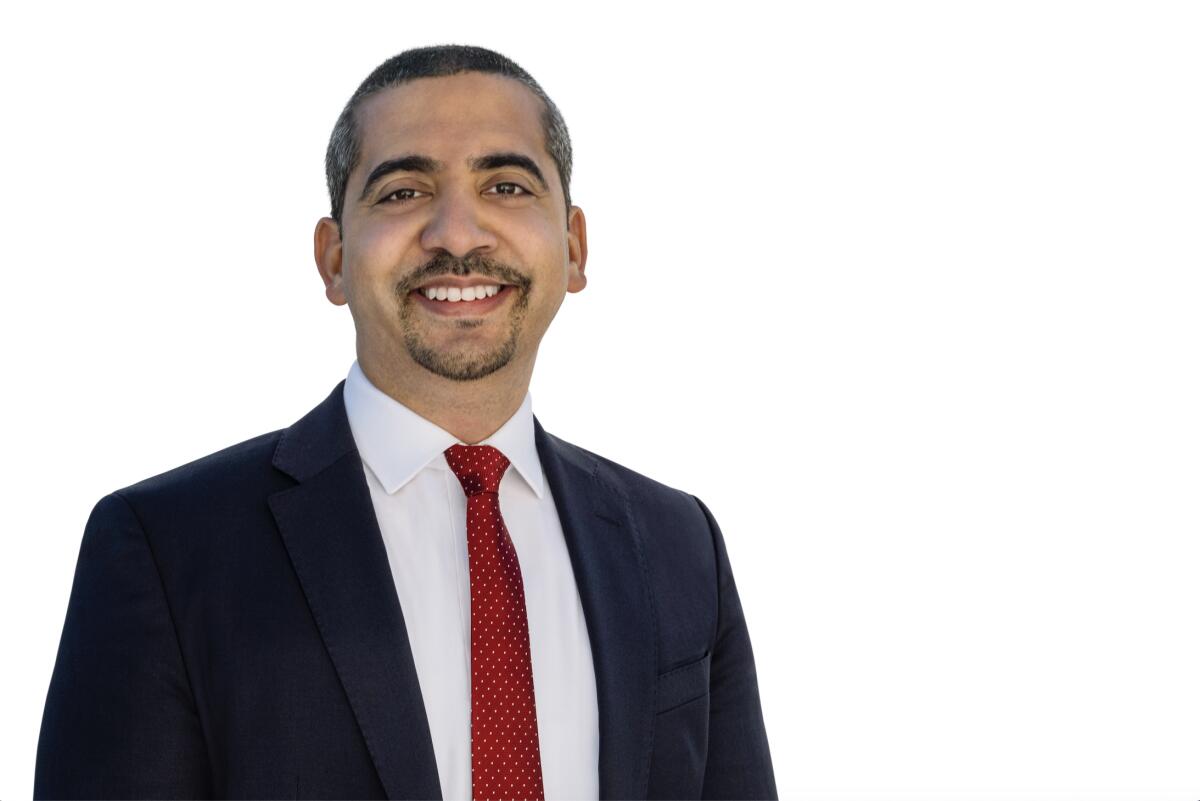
(344, 151)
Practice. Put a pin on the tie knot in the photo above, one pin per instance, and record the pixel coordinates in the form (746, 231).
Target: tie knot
(479, 467)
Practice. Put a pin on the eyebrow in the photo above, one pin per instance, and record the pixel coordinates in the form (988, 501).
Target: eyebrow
(425, 164)
(495, 161)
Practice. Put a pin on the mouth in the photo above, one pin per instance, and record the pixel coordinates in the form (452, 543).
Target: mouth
(455, 304)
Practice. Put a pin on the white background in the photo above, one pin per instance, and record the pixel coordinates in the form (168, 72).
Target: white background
(906, 292)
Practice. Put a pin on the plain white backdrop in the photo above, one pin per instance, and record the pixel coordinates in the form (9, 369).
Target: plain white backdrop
(906, 292)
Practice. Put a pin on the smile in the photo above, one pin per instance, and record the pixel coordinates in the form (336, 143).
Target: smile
(455, 302)
(455, 294)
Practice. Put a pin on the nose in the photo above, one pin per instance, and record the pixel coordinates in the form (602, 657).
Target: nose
(456, 225)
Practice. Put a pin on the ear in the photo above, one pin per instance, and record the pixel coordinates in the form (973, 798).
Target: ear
(327, 250)
(576, 249)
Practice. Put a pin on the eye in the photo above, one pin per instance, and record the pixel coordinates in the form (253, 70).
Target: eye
(402, 195)
(508, 188)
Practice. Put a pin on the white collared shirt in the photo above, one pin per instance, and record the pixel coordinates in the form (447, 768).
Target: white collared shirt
(422, 513)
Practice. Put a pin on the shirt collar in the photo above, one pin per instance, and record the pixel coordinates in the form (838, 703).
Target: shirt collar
(396, 443)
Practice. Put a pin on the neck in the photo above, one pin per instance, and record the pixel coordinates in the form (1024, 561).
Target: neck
(470, 410)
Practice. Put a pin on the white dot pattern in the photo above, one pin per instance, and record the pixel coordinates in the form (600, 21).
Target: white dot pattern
(506, 762)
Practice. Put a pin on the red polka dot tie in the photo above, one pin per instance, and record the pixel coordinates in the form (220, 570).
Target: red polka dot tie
(506, 762)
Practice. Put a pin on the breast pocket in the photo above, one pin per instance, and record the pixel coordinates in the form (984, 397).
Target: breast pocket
(680, 731)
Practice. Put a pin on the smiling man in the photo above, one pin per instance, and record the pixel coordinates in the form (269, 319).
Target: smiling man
(415, 591)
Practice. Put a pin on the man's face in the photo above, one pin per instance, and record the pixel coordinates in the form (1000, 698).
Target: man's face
(453, 189)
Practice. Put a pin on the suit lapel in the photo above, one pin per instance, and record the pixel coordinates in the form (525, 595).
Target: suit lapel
(332, 535)
(329, 527)
(610, 573)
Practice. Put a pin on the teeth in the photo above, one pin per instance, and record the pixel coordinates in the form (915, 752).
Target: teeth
(454, 294)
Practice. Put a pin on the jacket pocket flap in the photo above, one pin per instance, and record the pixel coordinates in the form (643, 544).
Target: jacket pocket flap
(685, 683)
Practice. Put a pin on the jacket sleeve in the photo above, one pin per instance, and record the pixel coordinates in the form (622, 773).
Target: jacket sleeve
(120, 718)
(739, 760)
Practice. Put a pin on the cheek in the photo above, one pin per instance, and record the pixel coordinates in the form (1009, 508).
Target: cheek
(544, 245)
(375, 256)
(376, 243)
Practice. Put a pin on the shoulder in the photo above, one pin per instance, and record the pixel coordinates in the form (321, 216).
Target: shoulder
(646, 496)
(235, 474)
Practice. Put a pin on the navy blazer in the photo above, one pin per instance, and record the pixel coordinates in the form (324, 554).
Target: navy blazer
(234, 632)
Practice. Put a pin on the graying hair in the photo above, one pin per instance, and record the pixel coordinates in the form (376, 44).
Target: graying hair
(345, 146)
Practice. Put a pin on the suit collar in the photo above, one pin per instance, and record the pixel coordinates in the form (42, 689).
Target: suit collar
(329, 527)
(317, 440)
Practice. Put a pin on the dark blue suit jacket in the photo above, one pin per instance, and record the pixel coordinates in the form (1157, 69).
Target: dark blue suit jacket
(233, 631)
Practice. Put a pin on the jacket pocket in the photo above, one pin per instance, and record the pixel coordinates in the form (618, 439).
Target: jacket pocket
(683, 684)
(677, 761)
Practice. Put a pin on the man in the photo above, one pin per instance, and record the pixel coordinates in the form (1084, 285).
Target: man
(369, 604)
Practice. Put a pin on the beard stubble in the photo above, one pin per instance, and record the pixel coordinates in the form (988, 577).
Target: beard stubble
(454, 363)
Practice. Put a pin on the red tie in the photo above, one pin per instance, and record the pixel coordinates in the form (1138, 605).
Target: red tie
(506, 763)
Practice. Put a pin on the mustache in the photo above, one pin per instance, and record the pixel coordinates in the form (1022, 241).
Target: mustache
(444, 263)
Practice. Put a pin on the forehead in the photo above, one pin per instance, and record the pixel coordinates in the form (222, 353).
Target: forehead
(451, 118)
